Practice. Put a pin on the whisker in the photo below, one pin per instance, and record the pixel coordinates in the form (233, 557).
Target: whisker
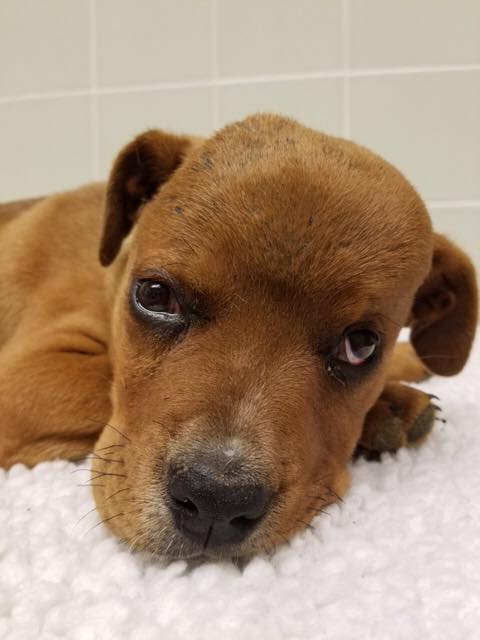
(110, 446)
(88, 484)
(117, 492)
(306, 524)
(172, 539)
(117, 515)
(95, 508)
(117, 431)
(333, 493)
(106, 424)
(94, 456)
(101, 474)
(85, 515)
(270, 551)
(317, 511)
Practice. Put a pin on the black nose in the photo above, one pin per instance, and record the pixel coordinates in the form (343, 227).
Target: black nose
(212, 508)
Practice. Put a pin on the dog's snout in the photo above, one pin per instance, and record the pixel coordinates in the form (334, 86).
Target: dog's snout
(214, 509)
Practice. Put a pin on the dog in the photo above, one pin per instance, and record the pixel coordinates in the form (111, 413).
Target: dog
(217, 324)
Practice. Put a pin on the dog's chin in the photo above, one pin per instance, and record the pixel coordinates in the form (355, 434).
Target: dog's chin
(176, 547)
(198, 554)
(172, 545)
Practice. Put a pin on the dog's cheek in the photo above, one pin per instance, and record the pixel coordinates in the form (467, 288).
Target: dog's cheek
(110, 482)
(128, 491)
(319, 451)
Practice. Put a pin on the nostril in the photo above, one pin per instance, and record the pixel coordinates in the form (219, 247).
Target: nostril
(185, 505)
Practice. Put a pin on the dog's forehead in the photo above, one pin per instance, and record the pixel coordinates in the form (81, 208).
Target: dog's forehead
(271, 199)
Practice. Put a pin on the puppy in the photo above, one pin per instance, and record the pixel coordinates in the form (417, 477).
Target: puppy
(234, 344)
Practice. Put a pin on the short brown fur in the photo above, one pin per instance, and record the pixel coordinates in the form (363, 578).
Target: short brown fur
(283, 237)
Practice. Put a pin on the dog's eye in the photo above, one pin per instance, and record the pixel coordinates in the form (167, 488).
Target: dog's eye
(357, 347)
(157, 297)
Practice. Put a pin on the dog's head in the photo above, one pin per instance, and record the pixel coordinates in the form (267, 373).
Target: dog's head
(267, 276)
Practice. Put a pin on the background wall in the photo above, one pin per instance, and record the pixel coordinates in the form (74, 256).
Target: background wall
(79, 77)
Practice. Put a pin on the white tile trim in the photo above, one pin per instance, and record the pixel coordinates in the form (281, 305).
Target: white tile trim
(454, 204)
(47, 95)
(219, 82)
(395, 71)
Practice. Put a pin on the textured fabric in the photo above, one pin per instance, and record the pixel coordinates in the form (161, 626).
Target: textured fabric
(399, 559)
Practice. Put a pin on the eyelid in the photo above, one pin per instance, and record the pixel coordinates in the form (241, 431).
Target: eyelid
(162, 276)
(367, 325)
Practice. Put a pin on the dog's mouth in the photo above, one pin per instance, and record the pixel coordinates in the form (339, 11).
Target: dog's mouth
(162, 537)
(181, 531)
(213, 502)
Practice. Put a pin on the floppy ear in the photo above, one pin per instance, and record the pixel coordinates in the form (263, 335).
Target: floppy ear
(444, 312)
(137, 173)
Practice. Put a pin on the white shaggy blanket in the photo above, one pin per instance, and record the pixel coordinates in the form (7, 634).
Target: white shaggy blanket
(399, 559)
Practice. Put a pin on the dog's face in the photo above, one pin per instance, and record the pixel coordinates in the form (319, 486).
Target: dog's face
(264, 287)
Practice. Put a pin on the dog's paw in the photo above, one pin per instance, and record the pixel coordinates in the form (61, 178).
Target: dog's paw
(402, 416)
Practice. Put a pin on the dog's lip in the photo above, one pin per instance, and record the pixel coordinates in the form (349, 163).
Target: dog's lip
(219, 554)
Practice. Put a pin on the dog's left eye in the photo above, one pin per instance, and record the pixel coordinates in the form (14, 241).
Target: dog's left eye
(357, 347)
(157, 297)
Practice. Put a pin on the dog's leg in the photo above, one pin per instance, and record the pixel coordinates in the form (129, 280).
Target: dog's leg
(51, 448)
(402, 416)
(52, 405)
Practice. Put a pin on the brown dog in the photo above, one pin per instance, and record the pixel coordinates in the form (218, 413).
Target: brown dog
(240, 341)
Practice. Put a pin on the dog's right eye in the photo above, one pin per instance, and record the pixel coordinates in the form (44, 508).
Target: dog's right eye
(157, 297)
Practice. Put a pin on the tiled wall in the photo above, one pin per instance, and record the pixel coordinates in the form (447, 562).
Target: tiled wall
(79, 77)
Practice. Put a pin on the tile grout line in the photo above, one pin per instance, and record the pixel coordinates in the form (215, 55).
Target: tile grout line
(94, 140)
(240, 80)
(214, 62)
(346, 68)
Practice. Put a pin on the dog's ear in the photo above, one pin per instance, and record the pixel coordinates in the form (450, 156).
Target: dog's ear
(137, 173)
(444, 312)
